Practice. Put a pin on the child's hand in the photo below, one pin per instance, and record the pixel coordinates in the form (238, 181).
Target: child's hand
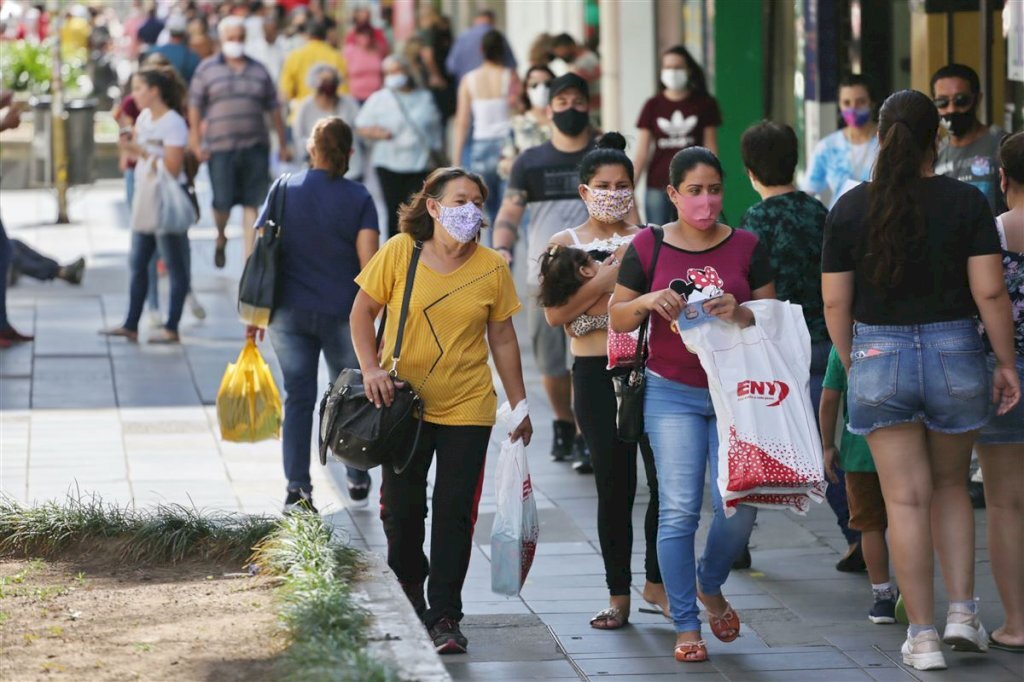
(831, 456)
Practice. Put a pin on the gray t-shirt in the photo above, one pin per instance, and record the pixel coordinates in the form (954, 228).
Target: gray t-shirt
(977, 164)
(551, 180)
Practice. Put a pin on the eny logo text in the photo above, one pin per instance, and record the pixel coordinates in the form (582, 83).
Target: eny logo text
(775, 391)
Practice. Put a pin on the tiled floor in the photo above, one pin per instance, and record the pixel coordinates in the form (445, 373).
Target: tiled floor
(136, 424)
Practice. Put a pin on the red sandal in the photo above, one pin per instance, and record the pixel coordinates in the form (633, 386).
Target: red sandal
(692, 652)
(727, 626)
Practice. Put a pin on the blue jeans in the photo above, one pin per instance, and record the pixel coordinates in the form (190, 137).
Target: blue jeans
(659, 209)
(680, 423)
(175, 248)
(298, 337)
(484, 157)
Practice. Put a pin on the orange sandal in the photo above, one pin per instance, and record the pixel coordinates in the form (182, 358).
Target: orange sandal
(727, 626)
(692, 652)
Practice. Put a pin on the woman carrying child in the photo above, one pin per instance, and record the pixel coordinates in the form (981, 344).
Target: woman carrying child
(578, 274)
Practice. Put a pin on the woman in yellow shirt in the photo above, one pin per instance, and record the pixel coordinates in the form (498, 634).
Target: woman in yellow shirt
(463, 299)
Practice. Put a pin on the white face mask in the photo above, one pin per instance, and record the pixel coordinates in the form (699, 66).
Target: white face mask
(675, 79)
(539, 95)
(232, 49)
(395, 80)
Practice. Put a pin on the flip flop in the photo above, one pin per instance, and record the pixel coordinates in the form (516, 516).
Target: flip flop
(692, 652)
(1003, 646)
(165, 338)
(122, 332)
(613, 615)
(654, 609)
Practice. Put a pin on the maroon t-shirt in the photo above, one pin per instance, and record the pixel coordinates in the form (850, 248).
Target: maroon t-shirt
(130, 109)
(737, 266)
(675, 126)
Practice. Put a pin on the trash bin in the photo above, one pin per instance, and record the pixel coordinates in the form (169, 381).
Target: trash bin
(80, 144)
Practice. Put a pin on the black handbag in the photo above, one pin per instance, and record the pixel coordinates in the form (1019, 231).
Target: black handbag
(631, 390)
(258, 287)
(356, 431)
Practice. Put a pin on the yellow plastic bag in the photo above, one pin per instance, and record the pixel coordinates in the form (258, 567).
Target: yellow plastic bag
(248, 404)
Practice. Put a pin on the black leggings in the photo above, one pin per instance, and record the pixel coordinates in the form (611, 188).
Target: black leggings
(461, 452)
(614, 464)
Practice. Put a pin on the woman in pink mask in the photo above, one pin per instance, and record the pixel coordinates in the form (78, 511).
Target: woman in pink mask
(690, 260)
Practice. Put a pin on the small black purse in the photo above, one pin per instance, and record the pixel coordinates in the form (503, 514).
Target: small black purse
(258, 287)
(631, 389)
(359, 433)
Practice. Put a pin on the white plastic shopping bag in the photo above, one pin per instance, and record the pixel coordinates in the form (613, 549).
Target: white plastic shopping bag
(146, 200)
(769, 449)
(515, 531)
(177, 213)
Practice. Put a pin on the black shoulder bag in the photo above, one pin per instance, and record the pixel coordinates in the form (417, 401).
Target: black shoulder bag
(631, 402)
(258, 287)
(356, 431)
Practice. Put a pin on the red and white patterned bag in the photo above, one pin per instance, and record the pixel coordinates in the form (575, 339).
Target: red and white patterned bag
(622, 348)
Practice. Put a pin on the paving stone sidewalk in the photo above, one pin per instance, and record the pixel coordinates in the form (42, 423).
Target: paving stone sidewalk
(136, 424)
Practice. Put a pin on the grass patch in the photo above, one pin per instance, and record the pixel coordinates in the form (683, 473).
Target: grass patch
(326, 628)
(168, 533)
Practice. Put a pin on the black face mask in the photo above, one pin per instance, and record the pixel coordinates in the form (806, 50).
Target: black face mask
(572, 122)
(960, 122)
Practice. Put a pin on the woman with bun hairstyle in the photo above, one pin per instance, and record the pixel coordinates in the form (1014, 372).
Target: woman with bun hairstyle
(732, 266)
(578, 274)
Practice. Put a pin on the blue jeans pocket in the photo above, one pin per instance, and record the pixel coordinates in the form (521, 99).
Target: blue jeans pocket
(965, 373)
(874, 378)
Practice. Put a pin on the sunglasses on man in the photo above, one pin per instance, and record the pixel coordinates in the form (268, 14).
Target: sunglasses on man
(959, 101)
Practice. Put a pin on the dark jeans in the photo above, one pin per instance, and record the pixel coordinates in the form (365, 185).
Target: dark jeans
(397, 187)
(614, 462)
(298, 337)
(28, 261)
(461, 453)
(5, 263)
(174, 248)
(836, 492)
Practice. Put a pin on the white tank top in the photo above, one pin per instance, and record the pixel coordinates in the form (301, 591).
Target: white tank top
(491, 116)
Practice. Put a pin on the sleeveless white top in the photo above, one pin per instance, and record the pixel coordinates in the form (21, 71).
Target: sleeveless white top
(491, 116)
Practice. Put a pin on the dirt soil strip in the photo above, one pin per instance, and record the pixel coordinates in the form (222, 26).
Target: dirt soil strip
(93, 619)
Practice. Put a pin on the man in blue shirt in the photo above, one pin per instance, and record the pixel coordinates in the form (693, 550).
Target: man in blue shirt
(465, 54)
(176, 50)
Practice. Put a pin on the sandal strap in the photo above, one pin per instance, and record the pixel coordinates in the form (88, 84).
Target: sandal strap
(692, 645)
(612, 612)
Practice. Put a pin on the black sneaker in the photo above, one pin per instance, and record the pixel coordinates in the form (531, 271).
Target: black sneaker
(414, 593)
(582, 465)
(448, 638)
(73, 273)
(358, 486)
(853, 562)
(743, 561)
(884, 611)
(299, 501)
(562, 443)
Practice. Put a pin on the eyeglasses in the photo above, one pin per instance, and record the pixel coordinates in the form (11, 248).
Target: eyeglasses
(961, 100)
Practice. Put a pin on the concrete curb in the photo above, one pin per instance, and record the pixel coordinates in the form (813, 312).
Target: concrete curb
(396, 633)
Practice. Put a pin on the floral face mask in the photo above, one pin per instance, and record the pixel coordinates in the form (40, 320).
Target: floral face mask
(609, 205)
(463, 222)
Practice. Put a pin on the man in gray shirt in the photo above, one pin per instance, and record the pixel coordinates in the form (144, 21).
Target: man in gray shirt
(970, 153)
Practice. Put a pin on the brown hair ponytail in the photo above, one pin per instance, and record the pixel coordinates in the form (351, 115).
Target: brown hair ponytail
(907, 125)
(332, 140)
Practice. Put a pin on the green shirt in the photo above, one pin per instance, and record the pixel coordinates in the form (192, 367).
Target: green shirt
(854, 454)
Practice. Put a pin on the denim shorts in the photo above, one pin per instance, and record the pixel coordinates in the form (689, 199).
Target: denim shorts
(240, 177)
(1007, 429)
(933, 373)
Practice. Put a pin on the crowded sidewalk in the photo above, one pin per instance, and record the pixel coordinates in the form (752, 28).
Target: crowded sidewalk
(135, 424)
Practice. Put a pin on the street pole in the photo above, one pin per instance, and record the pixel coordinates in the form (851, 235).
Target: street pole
(59, 148)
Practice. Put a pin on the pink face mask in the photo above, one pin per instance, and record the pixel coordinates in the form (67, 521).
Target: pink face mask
(701, 211)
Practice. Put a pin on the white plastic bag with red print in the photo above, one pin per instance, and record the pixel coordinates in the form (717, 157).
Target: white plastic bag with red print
(515, 531)
(769, 451)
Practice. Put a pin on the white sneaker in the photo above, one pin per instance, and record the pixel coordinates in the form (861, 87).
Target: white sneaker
(195, 307)
(923, 652)
(964, 631)
(156, 320)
